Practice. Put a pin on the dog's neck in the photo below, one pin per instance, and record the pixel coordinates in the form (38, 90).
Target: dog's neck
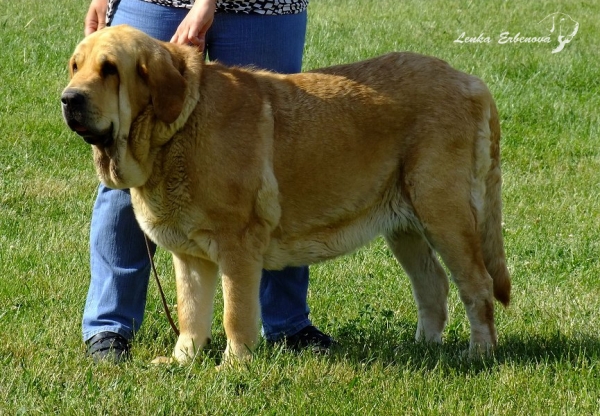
(146, 128)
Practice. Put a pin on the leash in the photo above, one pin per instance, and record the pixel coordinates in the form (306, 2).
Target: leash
(160, 289)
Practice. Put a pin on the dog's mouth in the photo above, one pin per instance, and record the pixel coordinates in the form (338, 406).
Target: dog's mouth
(103, 140)
(100, 139)
(75, 108)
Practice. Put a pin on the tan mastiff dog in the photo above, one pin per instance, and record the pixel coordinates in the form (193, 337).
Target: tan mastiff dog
(236, 170)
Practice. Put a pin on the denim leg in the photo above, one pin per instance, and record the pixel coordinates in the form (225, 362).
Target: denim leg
(119, 265)
(275, 43)
(158, 21)
(283, 303)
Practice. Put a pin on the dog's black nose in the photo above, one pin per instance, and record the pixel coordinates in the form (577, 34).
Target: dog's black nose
(72, 98)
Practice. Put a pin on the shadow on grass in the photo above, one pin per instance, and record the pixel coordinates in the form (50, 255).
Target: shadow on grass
(377, 338)
(390, 343)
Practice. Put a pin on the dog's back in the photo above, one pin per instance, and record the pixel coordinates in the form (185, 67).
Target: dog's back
(349, 137)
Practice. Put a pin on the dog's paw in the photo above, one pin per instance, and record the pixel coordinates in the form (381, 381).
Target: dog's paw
(163, 360)
(478, 351)
(187, 348)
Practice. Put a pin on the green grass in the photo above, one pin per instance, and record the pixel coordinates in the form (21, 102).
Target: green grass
(548, 358)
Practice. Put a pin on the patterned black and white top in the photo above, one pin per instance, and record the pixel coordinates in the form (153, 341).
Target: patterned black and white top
(268, 7)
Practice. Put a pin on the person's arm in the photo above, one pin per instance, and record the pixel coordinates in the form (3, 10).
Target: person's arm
(194, 26)
(95, 18)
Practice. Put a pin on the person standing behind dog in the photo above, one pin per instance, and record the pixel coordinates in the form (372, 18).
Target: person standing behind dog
(268, 34)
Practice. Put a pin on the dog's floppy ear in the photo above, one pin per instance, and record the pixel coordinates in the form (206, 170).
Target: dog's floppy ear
(167, 85)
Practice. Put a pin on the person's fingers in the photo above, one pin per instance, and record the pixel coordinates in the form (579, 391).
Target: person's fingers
(95, 19)
(189, 37)
(197, 40)
(194, 26)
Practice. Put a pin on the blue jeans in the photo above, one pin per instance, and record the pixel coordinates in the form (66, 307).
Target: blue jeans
(120, 267)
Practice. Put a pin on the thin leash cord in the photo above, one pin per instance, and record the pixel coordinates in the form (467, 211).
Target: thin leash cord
(160, 289)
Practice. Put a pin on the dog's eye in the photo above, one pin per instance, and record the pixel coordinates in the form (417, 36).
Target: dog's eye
(109, 68)
(74, 68)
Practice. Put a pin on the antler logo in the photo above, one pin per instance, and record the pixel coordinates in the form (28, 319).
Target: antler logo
(562, 23)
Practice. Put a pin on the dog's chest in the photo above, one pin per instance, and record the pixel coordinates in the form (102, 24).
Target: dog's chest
(167, 223)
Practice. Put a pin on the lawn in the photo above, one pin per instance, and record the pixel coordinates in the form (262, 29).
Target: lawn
(548, 359)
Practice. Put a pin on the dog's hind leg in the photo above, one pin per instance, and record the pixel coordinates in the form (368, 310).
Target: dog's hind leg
(450, 227)
(461, 252)
(429, 283)
(449, 221)
(196, 284)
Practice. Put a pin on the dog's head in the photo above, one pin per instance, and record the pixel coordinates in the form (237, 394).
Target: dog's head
(123, 84)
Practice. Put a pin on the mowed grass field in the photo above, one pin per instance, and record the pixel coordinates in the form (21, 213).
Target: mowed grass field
(548, 357)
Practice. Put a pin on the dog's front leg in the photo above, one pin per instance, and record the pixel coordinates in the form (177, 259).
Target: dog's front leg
(241, 283)
(196, 283)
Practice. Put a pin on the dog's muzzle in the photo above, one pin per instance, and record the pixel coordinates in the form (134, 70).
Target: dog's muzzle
(74, 109)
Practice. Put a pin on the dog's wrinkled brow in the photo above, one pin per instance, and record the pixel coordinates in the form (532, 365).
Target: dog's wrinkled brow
(77, 58)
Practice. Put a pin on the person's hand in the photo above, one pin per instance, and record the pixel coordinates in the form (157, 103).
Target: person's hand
(195, 25)
(95, 18)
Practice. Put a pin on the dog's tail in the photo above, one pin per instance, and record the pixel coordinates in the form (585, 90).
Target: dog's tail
(491, 224)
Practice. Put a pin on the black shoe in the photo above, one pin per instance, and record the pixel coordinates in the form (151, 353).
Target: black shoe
(109, 347)
(309, 337)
